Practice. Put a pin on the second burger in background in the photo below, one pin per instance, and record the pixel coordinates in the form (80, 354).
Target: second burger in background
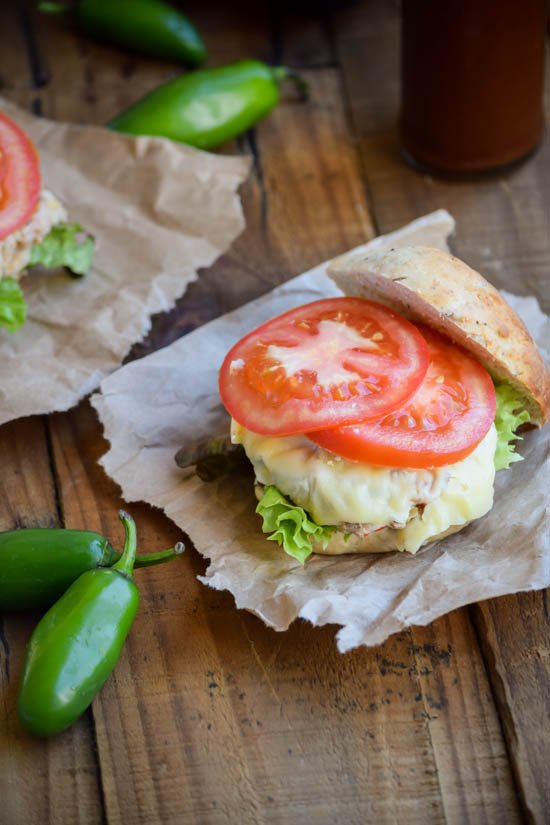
(33, 225)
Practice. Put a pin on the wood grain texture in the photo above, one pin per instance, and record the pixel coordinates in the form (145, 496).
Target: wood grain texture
(40, 781)
(515, 640)
(464, 725)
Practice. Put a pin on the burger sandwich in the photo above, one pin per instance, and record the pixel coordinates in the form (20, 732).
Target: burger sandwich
(34, 229)
(376, 421)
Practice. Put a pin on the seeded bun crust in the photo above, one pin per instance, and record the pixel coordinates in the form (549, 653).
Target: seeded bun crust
(431, 286)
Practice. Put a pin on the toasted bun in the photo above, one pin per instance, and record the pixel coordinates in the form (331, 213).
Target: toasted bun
(428, 285)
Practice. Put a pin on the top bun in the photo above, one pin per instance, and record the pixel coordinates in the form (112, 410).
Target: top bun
(428, 285)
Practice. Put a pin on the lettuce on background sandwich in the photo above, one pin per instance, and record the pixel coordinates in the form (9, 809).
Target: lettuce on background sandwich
(33, 225)
(376, 422)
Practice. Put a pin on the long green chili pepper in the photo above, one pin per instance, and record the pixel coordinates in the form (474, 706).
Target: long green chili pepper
(37, 565)
(152, 27)
(207, 107)
(77, 643)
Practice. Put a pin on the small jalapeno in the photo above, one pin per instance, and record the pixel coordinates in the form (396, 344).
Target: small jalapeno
(37, 565)
(208, 107)
(151, 27)
(77, 643)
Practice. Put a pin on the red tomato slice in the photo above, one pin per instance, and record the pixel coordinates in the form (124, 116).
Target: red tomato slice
(20, 181)
(443, 422)
(332, 362)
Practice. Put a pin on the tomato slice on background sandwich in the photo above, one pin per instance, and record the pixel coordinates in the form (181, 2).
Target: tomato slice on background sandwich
(33, 224)
(369, 431)
(20, 181)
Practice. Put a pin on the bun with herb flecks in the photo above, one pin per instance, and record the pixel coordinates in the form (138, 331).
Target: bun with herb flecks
(428, 285)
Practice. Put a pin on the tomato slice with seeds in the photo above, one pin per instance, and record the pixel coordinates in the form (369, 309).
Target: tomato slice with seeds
(332, 362)
(20, 180)
(443, 422)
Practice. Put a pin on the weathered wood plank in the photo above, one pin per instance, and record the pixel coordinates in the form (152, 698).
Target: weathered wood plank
(53, 781)
(470, 754)
(301, 35)
(16, 76)
(515, 637)
(56, 780)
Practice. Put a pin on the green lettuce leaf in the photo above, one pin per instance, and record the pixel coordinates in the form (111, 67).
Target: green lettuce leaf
(67, 245)
(13, 309)
(290, 525)
(510, 414)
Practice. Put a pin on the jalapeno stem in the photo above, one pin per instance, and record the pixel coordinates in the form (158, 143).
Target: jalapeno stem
(281, 73)
(126, 562)
(149, 559)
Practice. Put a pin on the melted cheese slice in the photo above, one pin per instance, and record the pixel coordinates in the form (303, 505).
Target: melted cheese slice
(336, 491)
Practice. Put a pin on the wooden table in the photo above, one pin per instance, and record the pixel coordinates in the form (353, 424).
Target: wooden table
(211, 717)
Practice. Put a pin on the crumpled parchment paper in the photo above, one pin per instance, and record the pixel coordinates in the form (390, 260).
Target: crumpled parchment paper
(159, 212)
(152, 407)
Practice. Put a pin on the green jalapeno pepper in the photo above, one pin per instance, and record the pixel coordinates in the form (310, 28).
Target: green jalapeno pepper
(207, 107)
(150, 26)
(38, 565)
(77, 643)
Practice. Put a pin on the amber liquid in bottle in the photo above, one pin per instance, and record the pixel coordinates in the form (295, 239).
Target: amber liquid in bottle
(472, 82)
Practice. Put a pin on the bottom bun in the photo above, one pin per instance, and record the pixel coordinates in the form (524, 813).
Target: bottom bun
(382, 541)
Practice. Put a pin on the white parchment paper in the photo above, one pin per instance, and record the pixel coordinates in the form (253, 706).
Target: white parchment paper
(159, 212)
(151, 407)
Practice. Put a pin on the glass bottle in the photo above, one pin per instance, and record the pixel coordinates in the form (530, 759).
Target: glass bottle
(472, 82)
